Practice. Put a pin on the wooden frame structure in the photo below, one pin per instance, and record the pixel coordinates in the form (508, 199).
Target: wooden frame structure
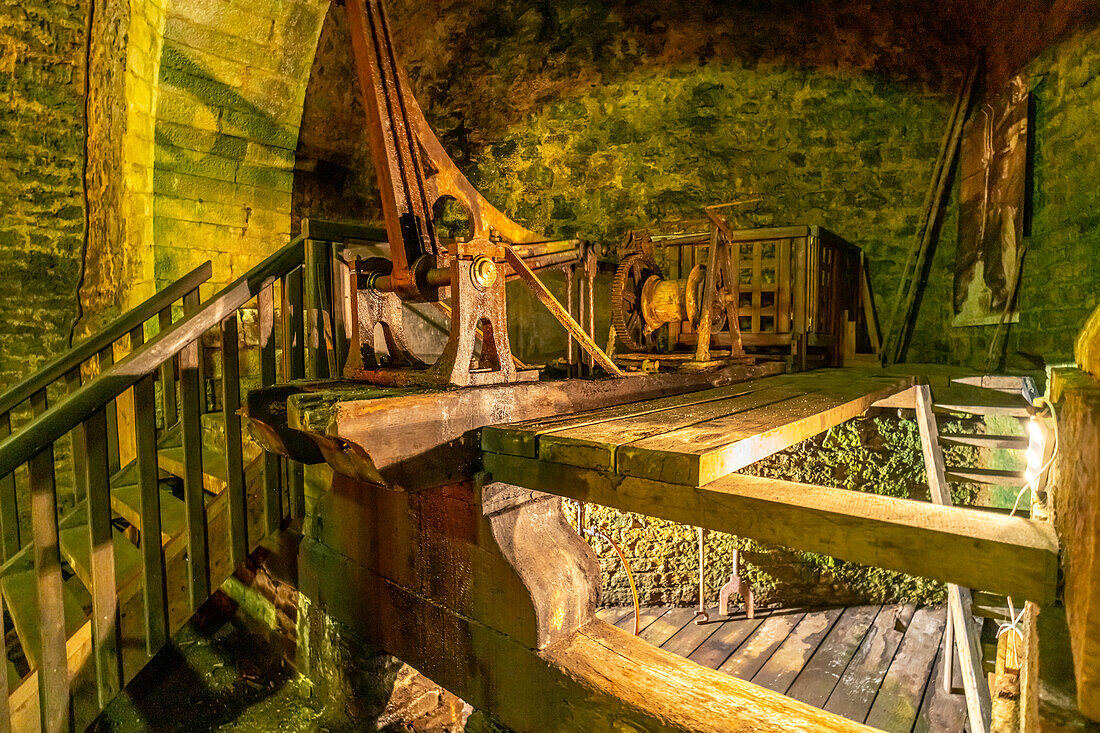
(800, 289)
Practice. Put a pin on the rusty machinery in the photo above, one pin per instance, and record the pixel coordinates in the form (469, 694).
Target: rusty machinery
(414, 173)
(797, 292)
(704, 301)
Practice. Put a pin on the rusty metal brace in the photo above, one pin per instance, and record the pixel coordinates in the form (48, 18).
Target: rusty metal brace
(702, 616)
(736, 584)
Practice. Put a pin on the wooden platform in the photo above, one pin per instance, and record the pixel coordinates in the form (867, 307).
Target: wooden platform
(676, 457)
(878, 665)
(693, 439)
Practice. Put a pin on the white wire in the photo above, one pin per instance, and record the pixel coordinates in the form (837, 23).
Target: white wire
(1013, 624)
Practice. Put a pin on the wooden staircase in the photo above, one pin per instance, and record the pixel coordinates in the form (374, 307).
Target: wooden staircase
(90, 597)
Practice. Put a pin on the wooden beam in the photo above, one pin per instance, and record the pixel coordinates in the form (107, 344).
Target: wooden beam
(1008, 555)
(967, 642)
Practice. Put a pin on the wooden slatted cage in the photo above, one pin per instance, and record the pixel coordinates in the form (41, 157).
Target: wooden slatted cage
(802, 290)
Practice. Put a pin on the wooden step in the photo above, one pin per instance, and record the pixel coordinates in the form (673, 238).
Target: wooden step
(21, 602)
(989, 605)
(1005, 442)
(171, 460)
(126, 502)
(976, 401)
(985, 475)
(998, 382)
(75, 548)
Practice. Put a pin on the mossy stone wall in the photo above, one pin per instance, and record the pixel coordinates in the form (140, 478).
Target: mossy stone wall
(42, 77)
(1060, 280)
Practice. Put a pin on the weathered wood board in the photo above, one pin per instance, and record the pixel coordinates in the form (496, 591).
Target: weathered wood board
(1008, 555)
(696, 438)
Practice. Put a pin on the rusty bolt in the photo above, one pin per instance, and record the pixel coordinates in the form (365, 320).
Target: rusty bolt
(483, 272)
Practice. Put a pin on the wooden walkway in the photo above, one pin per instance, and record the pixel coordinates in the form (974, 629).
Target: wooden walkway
(879, 665)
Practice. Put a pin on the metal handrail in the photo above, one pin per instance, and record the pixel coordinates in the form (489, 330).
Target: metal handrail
(55, 422)
(57, 368)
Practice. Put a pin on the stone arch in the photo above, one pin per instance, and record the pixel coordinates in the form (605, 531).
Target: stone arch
(192, 140)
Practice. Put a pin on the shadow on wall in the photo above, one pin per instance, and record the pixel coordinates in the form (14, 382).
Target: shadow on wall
(223, 169)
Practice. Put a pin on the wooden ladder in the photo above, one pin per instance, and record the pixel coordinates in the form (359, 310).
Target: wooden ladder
(973, 618)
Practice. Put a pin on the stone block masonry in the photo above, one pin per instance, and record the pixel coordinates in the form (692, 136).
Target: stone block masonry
(42, 62)
(232, 83)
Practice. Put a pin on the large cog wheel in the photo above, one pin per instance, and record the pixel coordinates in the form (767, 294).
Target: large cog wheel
(626, 297)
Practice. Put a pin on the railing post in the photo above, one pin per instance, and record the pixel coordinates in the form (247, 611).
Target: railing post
(315, 282)
(105, 619)
(76, 438)
(152, 555)
(294, 367)
(234, 460)
(265, 306)
(5, 685)
(338, 309)
(167, 375)
(106, 358)
(53, 673)
(190, 407)
(9, 507)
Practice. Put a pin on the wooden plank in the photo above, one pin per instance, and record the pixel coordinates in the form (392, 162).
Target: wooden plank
(73, 538)
(667, 626)
(9, 506)
(20, 592)
(234, 459)
(855, 692)
(899, 697)
(985, 475)
(645, 618)
(1002, 554)
(7, 671)
(265, 303)
(725, 641)
(940, 709)
(168, 376)
(613, 614)
(100, 554)
(149, 493)
(524, 438)
(815, 683)
(784, 665)
(294, 368)
(53, 687)
(675, 694)
(783, 286)
(126, 502)
(193, 473)
(751, 655)
(967, 644)
(701, 453)
(1005, 442)
(685, 641)
(597, 445)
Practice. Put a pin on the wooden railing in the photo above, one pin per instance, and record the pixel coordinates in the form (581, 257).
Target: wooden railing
(123, 531)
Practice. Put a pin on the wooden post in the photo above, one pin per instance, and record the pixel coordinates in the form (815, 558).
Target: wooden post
(234, 459)
(53, 673)
(193, 490)
(105, 616)
(9, 508)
